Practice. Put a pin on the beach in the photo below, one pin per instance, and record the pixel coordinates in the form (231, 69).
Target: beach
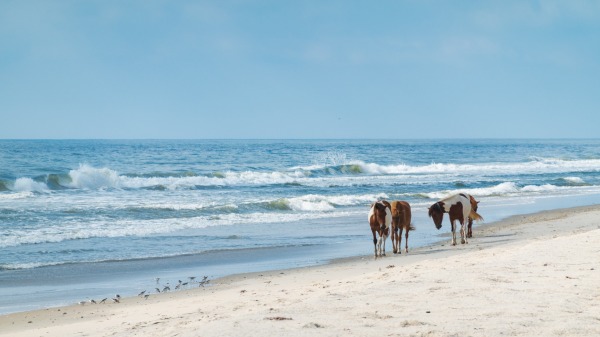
(525, 275)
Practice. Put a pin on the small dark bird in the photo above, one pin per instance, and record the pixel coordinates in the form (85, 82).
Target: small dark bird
(166, 288)
(204, 281)
(103, 300)
(157, 290)
(92, 301)
(116, 300)
(142, 293)
(146, 296)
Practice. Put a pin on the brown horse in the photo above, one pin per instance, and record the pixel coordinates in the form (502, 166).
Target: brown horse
(458, 208)
(380, 220)
(401, 218)
(474, 204)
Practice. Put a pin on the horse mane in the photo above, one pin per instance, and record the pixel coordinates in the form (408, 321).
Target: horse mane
(436, 207)
(474, 215)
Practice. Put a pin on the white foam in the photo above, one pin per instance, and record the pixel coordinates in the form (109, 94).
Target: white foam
(88, 177)
(17, 195)
(574, 180)
(119, 228)
(29, 185)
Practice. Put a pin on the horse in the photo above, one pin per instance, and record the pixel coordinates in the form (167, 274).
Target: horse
(459, 208)
(401, 218)
(380, 220)
(474, 204)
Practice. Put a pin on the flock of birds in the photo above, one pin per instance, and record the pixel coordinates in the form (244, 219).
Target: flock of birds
(166, 288)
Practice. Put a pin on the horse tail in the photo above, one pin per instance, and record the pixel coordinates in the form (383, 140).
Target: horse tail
(475, 216)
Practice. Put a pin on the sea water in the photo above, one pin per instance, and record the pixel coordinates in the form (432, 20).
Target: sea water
(86, 219)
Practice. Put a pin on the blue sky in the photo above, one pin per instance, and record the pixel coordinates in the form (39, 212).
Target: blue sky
(299, 69)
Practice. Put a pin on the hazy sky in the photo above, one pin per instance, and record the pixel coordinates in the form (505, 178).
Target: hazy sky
(299, 69)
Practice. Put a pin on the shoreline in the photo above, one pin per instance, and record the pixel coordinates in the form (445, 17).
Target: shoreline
(363, 296)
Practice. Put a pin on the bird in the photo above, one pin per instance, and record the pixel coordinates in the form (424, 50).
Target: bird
(103, 300)
(146, 296)
(116, 300)
(192, 278)
(92, 301)
(142, 293)
(157, 279)
(157, 290)
(204, 281)
(81, 302)
(166, 288)
(118, 296)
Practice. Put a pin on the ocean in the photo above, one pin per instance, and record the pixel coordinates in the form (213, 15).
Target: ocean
(86, 219)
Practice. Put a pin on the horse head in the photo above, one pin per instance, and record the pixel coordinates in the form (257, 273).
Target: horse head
(474, 203)
(436, 212)
(380, 212)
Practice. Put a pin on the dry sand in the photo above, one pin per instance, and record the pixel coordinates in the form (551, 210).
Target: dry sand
(528, 275)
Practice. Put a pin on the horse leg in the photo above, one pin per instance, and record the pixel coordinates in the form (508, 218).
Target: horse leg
(395, 239)
(400, 241)
(374, 242)
(453, 233)
(469, 229)
(383, 239)
(406, 240)
(463, 232)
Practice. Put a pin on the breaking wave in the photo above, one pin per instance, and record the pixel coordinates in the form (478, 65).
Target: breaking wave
(349, 173)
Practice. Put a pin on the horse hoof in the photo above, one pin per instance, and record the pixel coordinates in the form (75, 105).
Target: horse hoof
(463, 241)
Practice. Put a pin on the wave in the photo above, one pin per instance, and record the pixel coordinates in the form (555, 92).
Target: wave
(98, 228)
(348, 173)
(573, 181)
(505, 189)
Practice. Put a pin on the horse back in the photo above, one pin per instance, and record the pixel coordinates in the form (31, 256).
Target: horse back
(401, 213)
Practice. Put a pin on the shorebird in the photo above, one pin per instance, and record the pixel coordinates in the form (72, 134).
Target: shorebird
(142, 293)
(92, 301)
(166, 288)
(157, 290)
(192, 278)
(103, 300)
(116, 300)
(118, 296)
(204, 281)
(146, 296)
(157, 279)
(81, 302)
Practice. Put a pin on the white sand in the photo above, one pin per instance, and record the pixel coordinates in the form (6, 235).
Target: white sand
(536, 275)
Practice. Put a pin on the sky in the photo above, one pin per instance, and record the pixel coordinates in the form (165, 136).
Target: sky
(394, 69)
